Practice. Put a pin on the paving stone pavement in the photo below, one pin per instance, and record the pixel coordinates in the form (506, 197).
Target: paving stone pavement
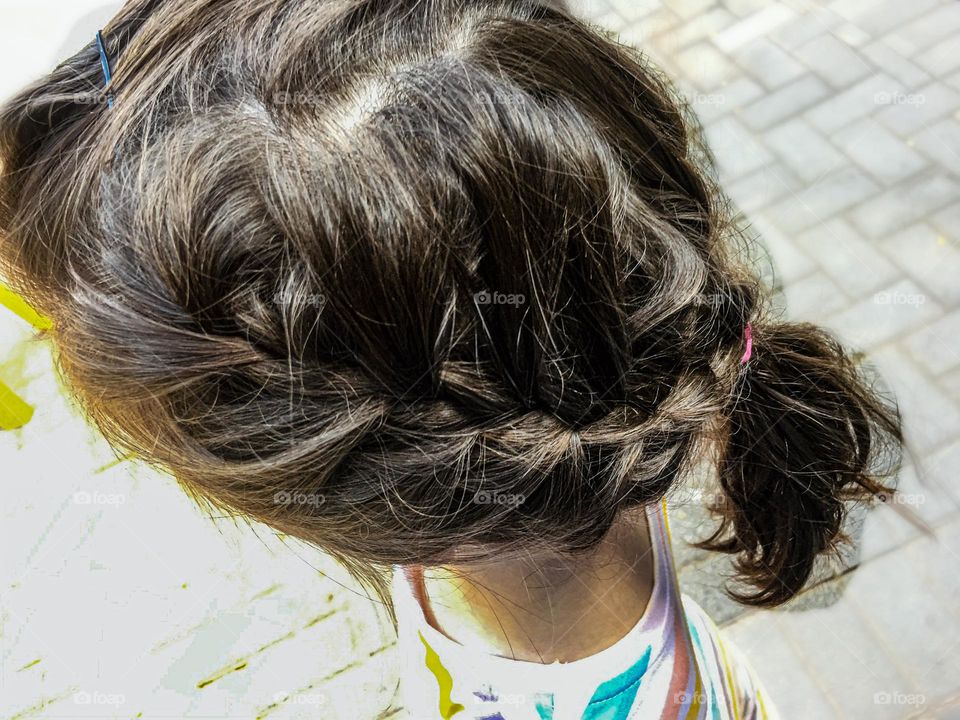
(836, 128)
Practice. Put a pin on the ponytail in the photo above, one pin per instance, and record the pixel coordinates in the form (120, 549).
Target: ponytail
(806, 435)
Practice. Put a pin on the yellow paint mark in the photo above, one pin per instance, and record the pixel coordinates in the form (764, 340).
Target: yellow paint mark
(269, 591)
(241, 663)
(29, 665)
(33, 710)
(220, 674)
(941, 240)
(14, 411)
(318, 618)
(15, 303)
(112, 464)
(448, 708)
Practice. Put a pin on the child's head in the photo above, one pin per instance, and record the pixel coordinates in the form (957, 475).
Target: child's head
(418, 281)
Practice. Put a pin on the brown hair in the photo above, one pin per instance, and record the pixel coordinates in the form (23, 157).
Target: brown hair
(417, 281)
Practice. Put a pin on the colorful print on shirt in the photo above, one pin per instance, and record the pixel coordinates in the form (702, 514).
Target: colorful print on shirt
(672, 665)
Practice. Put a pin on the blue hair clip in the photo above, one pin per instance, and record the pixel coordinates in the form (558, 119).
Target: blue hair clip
(105, 64)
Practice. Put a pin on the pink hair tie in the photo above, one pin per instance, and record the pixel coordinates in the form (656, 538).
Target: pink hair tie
(748, 336)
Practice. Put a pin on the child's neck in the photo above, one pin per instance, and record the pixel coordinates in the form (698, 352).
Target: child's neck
(547, 609)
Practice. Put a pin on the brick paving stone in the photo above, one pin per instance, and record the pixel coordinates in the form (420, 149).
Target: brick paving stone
(914, 627)
(729, 97)
(745, 8)
(928, 257)
(763, 186)
(814, 22)
(926, 492)
(947, 221)
(854, 103)
(699, 27)
(643, 33)
(941, 469)
(885, 314)
(852, 35)
(930, 418)
(769, 64)
(941, 142)
(920, 109)
(954, 81)
(881, 215)
(738, 152)
(950, 382)
(936, 346)
(814, 298)
(940, 59)
(833, 60)
(782, 669)
(740, 92)
(784, 103)
(791, 263)
(755, 25)
(928, 29)
(808, 153)
(706, 67)
(633, 10)
(897, 65)
(884, 531)
(690, 9)
(882, 154)
(876, 18)
(851, 261)
(844, 656)
(834, 192)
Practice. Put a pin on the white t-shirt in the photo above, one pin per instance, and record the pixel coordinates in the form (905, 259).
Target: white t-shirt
(671, 664)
